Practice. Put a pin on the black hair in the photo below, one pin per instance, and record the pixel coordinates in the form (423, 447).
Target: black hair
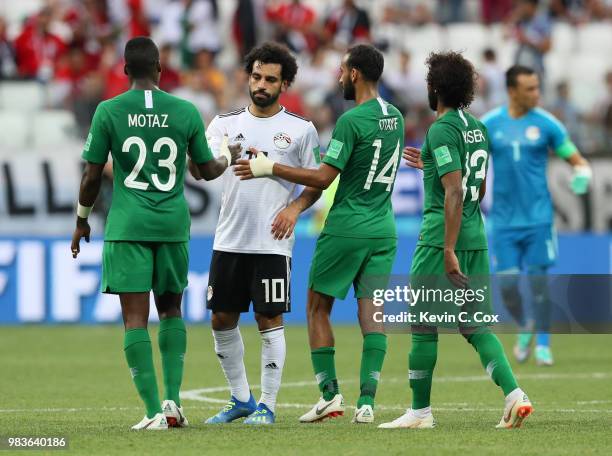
(489, 54)
(141, 57)
(452, 77)
(368, 60)
(271, 52)
(514, 72)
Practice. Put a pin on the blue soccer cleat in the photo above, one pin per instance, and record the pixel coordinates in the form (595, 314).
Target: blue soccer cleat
(233, 410)
(263, 415)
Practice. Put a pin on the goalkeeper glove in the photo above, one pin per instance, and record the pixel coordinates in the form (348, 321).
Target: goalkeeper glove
(581, 178)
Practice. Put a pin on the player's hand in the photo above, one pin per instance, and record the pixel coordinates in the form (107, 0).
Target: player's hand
(284, 223)
(412, 155)
(581, 178)
(260, 166)
(235, 151)
(453, 271)
(82, 230)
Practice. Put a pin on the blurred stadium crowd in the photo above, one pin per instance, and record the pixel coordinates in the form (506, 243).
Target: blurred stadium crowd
(60, 58)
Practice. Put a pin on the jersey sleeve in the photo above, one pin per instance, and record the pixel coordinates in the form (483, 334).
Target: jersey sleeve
(198, 145)
(444, 146)
(310, 154)
(558, 138)
(342, 143)
(214, 136)
(98, 142)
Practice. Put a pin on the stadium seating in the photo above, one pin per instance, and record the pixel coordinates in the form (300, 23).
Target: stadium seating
(21, 96)
(15, 129)
(53, 128)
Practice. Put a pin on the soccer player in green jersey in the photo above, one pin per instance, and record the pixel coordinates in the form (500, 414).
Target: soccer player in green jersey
(149, 134)
(359, 239)
(452, 243)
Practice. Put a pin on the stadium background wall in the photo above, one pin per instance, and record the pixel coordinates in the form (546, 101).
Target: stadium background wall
(41, 283)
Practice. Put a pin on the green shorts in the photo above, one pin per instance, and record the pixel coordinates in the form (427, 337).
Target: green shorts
(440, 299)
(341, 261)
(132, 267)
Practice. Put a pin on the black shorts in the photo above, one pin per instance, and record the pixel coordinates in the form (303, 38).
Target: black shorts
(236, 279)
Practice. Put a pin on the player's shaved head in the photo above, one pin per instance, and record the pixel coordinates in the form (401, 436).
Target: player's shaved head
(142, 58)
(451, 79)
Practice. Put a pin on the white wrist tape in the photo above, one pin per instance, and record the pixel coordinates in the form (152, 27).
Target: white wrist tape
(583, 171)
(83, 211)
(224, 150)
(261, 166)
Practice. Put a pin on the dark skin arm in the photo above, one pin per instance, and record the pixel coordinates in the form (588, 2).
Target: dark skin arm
(453, 209)
(88, 192)
(214, 168)
(285, 220)
(482, 191)
(319, 178)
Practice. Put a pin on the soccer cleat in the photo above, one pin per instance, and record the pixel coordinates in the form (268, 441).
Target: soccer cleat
(174, 414)
(324, 409)
(364, 414)
(263, 415)
(515, 413)
(543, 356)
(157, 423)
(233, 410)
(522, 348)
(410, 421)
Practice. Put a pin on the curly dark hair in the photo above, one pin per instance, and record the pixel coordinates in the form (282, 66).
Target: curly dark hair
(368, 60)
(452, 77)
(271, 52)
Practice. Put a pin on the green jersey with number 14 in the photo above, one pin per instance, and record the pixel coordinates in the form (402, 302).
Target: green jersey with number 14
(455, 141)
(148, 133)
(366, 147)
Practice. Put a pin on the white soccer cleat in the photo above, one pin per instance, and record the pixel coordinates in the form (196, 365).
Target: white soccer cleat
(364, 414)
(157, 423)
(515, 413)
(410, 421)
(174, 414)
(324, 409)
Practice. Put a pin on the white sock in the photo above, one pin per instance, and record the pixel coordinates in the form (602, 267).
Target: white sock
(273, 351)
(422, 413)
(514, 395)
(230, 351)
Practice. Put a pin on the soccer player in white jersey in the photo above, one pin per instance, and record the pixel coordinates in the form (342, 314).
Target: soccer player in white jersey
(251, 259)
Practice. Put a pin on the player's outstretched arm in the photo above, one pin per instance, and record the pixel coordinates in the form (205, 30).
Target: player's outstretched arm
(453, 209)
(88, 192)
(228, 154)
(262, 166)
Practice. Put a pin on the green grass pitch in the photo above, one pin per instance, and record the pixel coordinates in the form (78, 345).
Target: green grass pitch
(73, 381)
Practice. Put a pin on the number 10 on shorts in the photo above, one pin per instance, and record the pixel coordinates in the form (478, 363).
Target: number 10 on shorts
(277, 286)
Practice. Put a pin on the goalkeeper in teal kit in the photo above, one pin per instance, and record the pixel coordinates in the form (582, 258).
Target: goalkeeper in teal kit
(524, 238)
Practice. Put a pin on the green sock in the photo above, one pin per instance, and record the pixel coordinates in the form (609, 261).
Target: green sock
(172, 345)
(372, 358)
(137, 348)
(325, 371)
(421, 364)
(494, 360)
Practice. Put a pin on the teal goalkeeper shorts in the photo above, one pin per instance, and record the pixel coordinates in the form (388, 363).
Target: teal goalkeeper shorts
(340, 262)
(133, 267)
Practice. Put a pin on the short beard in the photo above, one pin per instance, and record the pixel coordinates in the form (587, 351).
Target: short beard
(348, 90)
(432, 97)
(264, 103)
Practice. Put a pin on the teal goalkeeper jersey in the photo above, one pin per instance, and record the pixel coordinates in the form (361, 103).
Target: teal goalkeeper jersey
(148, 134)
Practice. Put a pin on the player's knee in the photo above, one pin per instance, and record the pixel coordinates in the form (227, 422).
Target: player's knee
(268, 320)
(221, 321)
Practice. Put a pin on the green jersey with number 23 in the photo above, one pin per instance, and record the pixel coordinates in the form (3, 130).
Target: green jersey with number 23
(148, 133)
(366, 147)
(457, 141)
